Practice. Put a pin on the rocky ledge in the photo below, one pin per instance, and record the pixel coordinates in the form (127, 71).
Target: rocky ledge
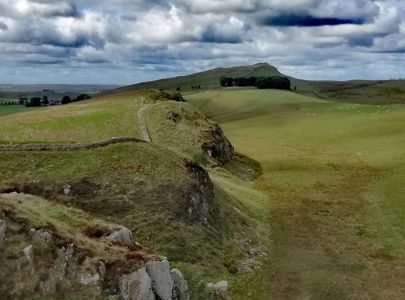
(217, 145)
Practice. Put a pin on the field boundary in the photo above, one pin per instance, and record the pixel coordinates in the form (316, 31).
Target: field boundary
(68, 147)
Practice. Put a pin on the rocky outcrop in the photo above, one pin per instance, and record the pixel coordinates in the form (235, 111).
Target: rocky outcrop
(220, 290)
(173, 116)
(58, 270)
(201, 194)
(57, 265)
(122, 235)
(155, 281)
(41, 236)
(217, 145)
(3, 229)
(29, 254)
(180, 285)
(136, 286)
(162, 281)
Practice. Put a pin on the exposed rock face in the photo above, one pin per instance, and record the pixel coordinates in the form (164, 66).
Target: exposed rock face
(123, 236)
(201, 195)
(58, 270)
(180, 285)
(218, 146)
(3, 229)
(29, 254)
(220, 289)
(41, 236)
(88, 273)
(162, 281)
(173, 117)
(136, 286)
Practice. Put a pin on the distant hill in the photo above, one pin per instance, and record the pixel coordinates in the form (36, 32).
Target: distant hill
(210, 79)
(53, 91)
(358, 91)
(76, 88)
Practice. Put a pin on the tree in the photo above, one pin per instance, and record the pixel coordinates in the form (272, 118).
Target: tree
(34, 102)
(23, 101)
(66, 100)
(83, 97)
(178, 89)
(45, 101)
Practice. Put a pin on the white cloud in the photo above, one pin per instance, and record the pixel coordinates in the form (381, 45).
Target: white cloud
(160, 36)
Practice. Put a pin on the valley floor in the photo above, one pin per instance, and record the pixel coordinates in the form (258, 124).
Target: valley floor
(333, 176)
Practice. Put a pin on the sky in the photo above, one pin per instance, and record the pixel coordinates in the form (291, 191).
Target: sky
(129, 41)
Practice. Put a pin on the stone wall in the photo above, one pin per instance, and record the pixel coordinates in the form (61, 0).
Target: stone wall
(68, 147)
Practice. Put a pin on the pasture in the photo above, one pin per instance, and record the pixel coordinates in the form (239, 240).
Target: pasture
(333, 175)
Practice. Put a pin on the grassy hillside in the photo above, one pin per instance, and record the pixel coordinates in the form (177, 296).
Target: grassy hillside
(210, 79)
(332, 175)
(354, 91)
(363, 92)
(152, 188)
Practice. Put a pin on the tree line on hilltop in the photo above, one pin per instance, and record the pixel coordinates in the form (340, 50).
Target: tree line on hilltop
(272, 82)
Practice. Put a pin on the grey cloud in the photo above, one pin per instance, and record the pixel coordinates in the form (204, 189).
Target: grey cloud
(3, 26)
(162, 37)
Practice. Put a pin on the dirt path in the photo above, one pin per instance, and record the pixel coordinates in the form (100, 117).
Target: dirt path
(145, 135)
(142, 124)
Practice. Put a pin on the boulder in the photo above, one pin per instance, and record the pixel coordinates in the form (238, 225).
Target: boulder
(220, 289)
(3, 229)
(123, 236)
(162, 281)
(88, 273)
(180, 285)
(136, 286)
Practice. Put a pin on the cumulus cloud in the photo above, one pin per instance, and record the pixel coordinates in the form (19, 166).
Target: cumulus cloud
(135, 40)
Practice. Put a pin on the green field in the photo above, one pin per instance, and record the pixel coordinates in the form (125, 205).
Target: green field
(316, 185)
(333, 174)
(12, 109)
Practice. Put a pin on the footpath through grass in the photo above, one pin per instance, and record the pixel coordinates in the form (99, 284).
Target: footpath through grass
(333, 174)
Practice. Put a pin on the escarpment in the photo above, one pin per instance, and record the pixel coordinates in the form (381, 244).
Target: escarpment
(50, 257)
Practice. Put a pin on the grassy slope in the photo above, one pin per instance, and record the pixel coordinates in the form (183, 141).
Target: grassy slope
(363, 92)
(355, 91)
(333, 176)
(12, 109)
(142, 186)
(93, 120)
(210, 79)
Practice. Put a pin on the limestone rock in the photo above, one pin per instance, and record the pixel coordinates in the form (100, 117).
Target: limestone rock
(67, 190)
(58, 270)
(220, 289)
(88, 273)
(123, 235)
(90, 279)
(218, 146)
(162, 281)
(136, 286)
(41, 236)
(173, 116)
(29, 254)
(102, 269)
(3, 229)
(180, 285)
